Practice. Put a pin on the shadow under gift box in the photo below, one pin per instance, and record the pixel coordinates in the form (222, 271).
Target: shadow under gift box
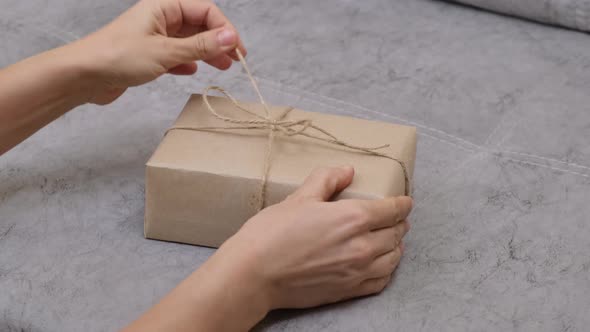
(201, 186)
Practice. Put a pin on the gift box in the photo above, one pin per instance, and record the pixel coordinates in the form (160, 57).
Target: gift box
(203, 181)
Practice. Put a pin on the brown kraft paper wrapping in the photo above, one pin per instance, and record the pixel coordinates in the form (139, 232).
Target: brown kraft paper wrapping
(201, 186)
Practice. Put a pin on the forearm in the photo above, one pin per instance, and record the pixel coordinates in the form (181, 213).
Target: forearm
(38, 90)
(221, 295)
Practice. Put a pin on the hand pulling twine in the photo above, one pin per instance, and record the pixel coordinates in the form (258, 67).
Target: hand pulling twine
(286, 127)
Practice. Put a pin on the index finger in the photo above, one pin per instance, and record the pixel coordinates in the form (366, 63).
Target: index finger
(387, 212)
(207, 14)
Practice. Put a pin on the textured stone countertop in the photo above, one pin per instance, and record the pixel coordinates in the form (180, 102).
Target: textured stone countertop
(500, 238)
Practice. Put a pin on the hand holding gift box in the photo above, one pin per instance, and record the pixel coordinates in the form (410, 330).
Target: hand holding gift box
(213, 171)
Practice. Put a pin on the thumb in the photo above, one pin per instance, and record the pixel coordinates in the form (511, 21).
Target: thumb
(206, 45)
(323, 183)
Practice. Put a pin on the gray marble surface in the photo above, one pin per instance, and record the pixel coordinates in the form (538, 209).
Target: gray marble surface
(499, 238)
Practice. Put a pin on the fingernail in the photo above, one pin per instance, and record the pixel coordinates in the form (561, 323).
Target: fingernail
(226, 37)
(402, 247)
(346, 168)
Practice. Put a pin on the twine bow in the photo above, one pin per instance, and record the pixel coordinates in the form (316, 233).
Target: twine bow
(303, 127)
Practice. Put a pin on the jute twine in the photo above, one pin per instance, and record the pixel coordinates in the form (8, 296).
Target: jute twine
(302, 127)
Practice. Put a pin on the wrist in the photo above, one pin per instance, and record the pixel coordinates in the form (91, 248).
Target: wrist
(237, 275)
(69, 74)
(81, 66)
(222, 295)
(226, 293)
